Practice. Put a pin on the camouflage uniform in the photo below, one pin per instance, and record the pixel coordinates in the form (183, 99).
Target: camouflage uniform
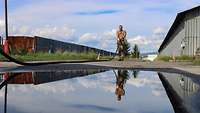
(121, 35)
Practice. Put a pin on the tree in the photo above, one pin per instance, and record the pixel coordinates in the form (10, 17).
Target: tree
(126, 49)
(135, 73)
(135, 52)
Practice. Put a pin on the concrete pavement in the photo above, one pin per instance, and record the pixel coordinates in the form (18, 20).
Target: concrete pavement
(176, 67)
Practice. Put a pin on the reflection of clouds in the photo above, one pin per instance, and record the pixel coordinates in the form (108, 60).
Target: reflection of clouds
(105, 81)
(148, 79)
(109, 88)
(141, 82)
(1, 93)
(94, 107)
(88, 83)
(61, 87)
(102, 81)
(73, 94)
(156, 93)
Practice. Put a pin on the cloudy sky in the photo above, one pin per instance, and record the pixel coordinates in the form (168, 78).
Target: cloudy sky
(94, 22)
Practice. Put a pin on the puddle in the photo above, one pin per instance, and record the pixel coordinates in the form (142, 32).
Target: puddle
(98, 91)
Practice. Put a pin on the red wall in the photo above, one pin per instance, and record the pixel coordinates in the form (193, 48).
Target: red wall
(18, 43)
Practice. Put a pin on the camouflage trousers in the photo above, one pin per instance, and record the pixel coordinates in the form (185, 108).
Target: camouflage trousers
(120, 49)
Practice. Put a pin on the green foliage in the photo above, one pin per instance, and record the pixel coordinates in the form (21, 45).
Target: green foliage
(135, 52)
(2, 58)
(126, 49)
(22, 51)
(40, 56)
(135, 73)
(56, 56)
(124, 74)
(177, 58)
(185, 58)
(196, 62)
(164, 58)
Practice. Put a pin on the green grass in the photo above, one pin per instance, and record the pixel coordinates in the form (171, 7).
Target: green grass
(164, 58)
(2, 58)
(180, 59)
(196, 62)
(177, 58)
(56, 56)
(184, 58)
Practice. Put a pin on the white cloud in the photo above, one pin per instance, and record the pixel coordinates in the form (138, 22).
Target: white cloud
(2, 27)
(149, 42)
(63, 33)
(159, 30)
(1, 22)
(109, 35)
(108, 40)
(139, 40)
(105, 40)
(88, 37)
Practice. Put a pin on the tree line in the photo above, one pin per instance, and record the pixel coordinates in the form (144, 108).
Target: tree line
(133, 52)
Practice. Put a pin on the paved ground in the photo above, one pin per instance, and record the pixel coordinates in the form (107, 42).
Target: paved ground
(182, 67)
(178, 67)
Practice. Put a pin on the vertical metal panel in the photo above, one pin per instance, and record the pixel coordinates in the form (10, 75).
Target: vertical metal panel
(192, 31)
(174, 47)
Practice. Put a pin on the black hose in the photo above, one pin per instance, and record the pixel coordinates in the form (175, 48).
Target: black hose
(40, 63)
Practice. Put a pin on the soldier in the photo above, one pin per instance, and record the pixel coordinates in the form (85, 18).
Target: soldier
(121, 38)
(121, 79)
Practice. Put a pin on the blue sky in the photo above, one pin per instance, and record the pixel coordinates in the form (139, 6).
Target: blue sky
(94, 22)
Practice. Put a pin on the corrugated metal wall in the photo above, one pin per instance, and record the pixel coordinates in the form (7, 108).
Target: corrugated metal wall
(174, 45)
(40, 44)
(188, 34)
(17, 44)
(49, 45)
(192, 32)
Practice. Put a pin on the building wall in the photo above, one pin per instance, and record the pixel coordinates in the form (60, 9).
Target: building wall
(40, 44)
(49, 45)
(192, 32)
(17, 44)
(188, 32)
(174, 45)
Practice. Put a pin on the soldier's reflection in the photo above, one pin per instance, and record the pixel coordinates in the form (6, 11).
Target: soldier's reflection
(121, 77)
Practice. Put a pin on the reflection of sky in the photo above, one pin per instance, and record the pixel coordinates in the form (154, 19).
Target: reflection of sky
(94, 93)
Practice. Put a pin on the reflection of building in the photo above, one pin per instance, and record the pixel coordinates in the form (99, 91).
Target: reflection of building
(183, 37)
(45, 77)
(20, 44)
(1, 77)
(181, 91)
(1, 41)
(23, 78)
